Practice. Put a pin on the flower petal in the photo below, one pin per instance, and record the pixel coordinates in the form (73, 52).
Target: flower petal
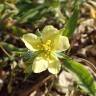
(49, 33)
(31, 41)
(39, 65)
(61, 44)
(54, 65)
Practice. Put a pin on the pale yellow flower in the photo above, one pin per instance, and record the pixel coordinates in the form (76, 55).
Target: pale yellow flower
(50, 42)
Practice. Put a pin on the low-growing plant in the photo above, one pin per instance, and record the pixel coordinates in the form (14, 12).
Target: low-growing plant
(47, 49)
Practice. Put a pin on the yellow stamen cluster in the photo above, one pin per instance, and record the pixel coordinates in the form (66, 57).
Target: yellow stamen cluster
(46, 48)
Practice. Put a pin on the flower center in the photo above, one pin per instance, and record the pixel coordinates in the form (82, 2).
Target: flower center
(46, 48)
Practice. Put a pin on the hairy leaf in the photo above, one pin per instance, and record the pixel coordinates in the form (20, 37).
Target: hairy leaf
(72, 22)
(83, 75)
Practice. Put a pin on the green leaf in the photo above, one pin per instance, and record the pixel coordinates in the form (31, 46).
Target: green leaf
(29, 55)
(31, 13)
(11, 48)
(1, 8)
(28, 58)
(72, 22)
(19, 32)
(53, 3)
(83, 75)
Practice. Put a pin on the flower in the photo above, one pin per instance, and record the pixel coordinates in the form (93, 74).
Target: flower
(49, 43)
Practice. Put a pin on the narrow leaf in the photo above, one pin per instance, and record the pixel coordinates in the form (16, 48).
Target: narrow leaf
(83, 75)
(28, 58)
(72, 22)
(11, 48)
(31, 13)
